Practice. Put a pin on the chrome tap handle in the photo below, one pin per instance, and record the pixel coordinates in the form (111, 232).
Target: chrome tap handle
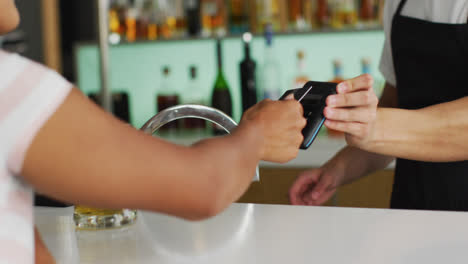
(192, 111)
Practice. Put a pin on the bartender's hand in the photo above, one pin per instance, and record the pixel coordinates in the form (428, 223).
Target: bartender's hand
(353, 110)
(314, 187)
(280, 123)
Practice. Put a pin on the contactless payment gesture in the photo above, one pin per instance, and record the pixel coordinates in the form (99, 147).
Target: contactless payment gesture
(313, 99)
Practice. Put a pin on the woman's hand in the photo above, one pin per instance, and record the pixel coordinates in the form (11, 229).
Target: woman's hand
(280, 124)
(353, 110)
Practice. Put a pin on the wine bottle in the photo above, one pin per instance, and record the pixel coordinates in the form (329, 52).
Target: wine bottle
(193, 96)
(167, 97)
(247, 72)
(192, 11)
(221, 97)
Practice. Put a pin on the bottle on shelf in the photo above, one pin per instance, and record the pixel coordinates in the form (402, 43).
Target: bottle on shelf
(301, 76)
(367, 11)
(131, 24)
(348, 12)
(269, 12)
(247, 73)
(366, 69)
(193, 96)
(213, 18)
(366, 65)
(297, 21)
(164, 20)
(179, 18)
(192, 12)
(238, 16)
(152, 31)
(322, 13)
(167, 97)
(221, 97)
(335, 8)
(337, 71)
(338, 77)
(117, 14)
(309, 10)
(271, 72)
(115, 27)
(120, 105)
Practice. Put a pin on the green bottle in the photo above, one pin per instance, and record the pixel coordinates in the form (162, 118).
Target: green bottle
(221, 97)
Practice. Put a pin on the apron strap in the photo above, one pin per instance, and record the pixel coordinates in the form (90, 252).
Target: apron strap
(400, 7)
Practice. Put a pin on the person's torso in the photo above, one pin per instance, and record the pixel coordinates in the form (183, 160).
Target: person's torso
(430, 55)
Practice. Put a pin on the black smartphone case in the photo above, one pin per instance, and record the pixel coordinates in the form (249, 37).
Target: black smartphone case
(313, 103)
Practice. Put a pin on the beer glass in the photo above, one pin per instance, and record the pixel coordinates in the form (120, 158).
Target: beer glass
(95, 218)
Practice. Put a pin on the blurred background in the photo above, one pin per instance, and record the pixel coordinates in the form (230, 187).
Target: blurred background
(320, 40)
(223, 53)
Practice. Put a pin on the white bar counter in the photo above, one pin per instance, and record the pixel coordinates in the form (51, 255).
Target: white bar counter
(251, 233)
(321, 150)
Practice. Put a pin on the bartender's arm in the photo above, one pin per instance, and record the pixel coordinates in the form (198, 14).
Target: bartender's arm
(353, 110)
(85, 156)
(436, 133)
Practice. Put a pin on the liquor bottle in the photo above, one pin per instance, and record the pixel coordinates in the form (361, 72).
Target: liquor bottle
(247, 72)
(335, 9)
(238, 16)
(297, 20)
(322, 13)
(348, 12)
(269, 12)
(178, 12)
(142, 20)
(167, 97)
(309, 11)
(117, 14)
(213, 18)
(338, 71)
(301, 76)
(366, 66)
(366, 11)
(131, 24)
(152, 31)
(378, 82)
(164, 18)
(193, 96)
(221, 97)
(120, 105)
(114, 21)
(271, 72)
(192, 12)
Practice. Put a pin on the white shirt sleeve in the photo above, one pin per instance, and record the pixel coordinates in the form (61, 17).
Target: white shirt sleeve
(30, 94)
(386, 66)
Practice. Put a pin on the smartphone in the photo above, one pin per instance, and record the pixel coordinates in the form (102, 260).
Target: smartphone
(313, 98)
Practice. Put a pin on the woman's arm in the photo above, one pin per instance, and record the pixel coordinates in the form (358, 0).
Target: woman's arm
(85, 156)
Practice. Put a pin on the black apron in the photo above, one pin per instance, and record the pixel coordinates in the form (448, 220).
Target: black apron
(431, 67)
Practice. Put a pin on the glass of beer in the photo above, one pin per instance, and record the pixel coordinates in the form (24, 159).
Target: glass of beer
(94, 218)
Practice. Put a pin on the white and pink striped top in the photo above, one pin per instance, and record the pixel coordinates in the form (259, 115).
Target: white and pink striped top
(29, 95)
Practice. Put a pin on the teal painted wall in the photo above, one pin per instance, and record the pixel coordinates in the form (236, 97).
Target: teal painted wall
(136, 68)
